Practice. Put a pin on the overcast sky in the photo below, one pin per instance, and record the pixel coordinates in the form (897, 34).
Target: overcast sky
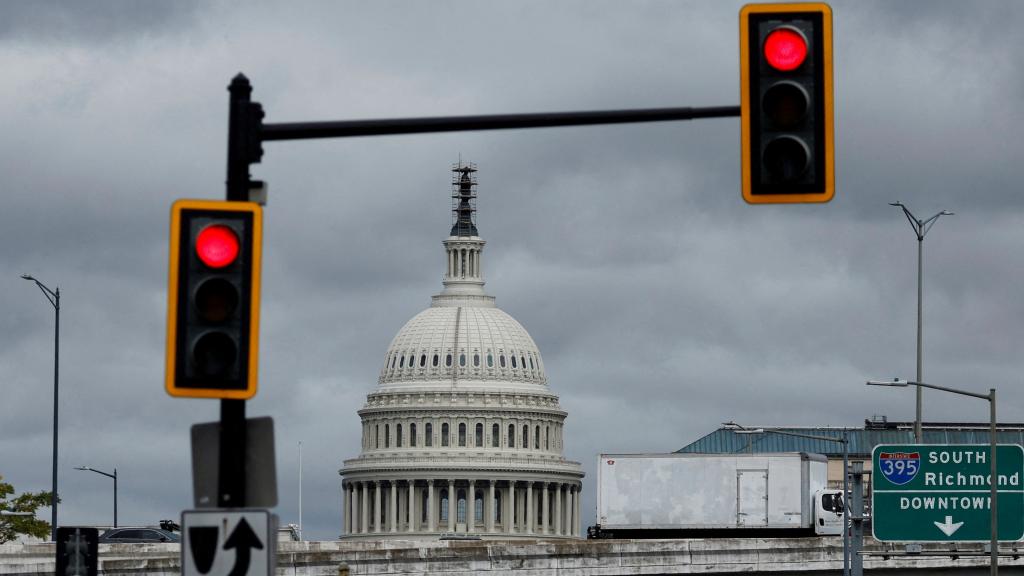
(662, 303)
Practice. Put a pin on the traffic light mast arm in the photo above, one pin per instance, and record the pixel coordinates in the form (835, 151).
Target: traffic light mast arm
(387, 126)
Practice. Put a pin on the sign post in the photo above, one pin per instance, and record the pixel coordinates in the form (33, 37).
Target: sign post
(942, 492)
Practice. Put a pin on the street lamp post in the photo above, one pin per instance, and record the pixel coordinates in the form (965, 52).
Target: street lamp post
(991, 397)
(54, 297)
(108, 475)
(921, 228)
(845, 441)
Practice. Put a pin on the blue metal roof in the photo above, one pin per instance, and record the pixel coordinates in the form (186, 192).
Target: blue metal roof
(862, 440)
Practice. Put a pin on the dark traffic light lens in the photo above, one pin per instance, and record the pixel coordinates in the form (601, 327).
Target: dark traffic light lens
(216, 300)
(217, 246)
(786, 158)
(215, 353)
(785, 49)
(786, 104)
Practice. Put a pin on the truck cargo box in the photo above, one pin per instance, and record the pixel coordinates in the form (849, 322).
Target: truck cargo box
(712, 492)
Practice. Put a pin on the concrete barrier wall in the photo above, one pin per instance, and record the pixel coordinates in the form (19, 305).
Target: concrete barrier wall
(532, 558)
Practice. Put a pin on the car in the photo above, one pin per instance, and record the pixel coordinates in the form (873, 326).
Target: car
(138, 535)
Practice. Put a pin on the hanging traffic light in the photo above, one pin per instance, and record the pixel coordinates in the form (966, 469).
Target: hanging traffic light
(786, 103)
(213, 299)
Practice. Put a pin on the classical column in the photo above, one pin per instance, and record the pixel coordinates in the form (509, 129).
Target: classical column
(576, 512)
(431, 506)
(365, 503)
(570, 496)
(489, 509)
(452, 497)
(471, 508)
(545, 511)
(413, 500)
(529, 508)
(558, 509)
(394, 506)
(345, 505)
(510, 517)
(376, 506)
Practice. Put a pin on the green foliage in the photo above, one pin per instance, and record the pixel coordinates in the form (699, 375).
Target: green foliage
(11, 526)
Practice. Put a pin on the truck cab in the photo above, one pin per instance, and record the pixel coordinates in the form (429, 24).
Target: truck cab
(828, 512)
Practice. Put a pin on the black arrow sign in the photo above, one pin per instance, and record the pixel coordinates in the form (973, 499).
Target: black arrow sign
(243, 539)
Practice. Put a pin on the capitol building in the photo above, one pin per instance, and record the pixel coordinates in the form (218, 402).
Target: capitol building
(462, 435)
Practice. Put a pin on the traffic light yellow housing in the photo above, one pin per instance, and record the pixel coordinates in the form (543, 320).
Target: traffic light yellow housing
(786, 118)
(213, 299)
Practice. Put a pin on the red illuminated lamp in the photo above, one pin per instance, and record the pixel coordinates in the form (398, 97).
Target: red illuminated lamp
(217, 246)
(785, 49)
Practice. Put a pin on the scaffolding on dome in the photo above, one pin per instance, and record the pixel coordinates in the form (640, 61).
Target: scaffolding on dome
(464, 199)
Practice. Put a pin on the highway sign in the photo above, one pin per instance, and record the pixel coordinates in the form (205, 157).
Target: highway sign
(228, 542)
(941, 492)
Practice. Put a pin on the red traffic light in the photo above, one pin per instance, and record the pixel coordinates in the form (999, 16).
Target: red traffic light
(217, 246)
(785, 49)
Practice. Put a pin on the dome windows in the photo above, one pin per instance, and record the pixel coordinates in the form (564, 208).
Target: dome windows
(428, 434)
(490, 359)
(476, 360)
(462, 435)
(401, 363)
(423, 360)
(501, 360)
(513, 361)
(448, 361)
(435, 360)
(462, 360)
(444, 434)
(495, 436)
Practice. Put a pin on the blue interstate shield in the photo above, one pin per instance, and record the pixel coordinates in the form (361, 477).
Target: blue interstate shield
(899, 467)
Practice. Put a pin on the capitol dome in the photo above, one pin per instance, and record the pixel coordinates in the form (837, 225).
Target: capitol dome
(462, 434)
(479, 346)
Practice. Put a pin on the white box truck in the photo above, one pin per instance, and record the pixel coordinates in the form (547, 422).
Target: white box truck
(678, 495)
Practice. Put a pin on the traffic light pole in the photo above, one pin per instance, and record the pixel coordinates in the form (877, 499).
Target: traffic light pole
(231, 471)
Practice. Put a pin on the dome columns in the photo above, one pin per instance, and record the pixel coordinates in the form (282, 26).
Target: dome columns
(513, 506)
(463, 273)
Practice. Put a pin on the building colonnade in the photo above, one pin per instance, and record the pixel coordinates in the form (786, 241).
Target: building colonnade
(465, 506)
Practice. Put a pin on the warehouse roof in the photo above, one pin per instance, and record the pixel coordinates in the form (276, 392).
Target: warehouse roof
(728, 440)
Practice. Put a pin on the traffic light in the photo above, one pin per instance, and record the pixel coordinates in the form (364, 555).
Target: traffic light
(213, 299)
(786, 103)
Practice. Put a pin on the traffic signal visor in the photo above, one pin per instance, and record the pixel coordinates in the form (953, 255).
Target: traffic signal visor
(213, 297)
(786, 103)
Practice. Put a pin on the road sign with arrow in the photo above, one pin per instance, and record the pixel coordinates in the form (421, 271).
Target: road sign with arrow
(941, 492)
(228, 542)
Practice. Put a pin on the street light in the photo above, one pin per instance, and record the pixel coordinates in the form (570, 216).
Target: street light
(108, 475)
(921, 228)
(54, 297)
(991, 397)
(846, 451)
